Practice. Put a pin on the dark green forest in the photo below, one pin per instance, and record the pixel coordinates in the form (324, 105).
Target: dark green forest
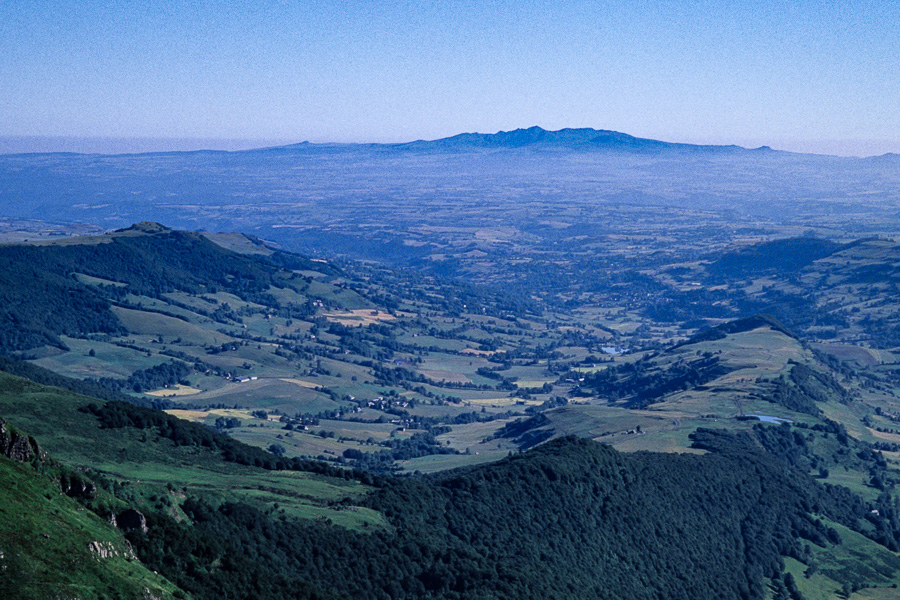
(570, 519)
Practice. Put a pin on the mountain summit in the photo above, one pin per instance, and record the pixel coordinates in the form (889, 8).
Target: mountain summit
(573, 139)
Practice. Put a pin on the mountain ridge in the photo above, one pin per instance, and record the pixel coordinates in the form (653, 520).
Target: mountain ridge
(534, 137)
(585, 138)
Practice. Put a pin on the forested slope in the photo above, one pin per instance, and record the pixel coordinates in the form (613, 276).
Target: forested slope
(570, 519)
(42, 298)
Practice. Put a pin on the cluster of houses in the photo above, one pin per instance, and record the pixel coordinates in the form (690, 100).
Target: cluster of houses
(380, 403)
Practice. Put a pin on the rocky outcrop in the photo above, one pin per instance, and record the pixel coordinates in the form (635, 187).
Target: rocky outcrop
(24, 448)
(17, 446)
(103, 550)
(130, 520)
(77, 486)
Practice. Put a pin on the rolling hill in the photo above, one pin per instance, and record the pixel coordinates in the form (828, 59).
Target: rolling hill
(363, 366)
(287, 351)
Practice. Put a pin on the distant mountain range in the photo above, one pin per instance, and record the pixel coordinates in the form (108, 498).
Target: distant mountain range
(536, 138)
(583, 139)
(310, 196)
(574, 139)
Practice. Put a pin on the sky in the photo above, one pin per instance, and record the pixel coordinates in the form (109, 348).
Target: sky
(813, 76)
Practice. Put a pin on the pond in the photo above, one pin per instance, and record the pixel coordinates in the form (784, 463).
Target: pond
(770, 419)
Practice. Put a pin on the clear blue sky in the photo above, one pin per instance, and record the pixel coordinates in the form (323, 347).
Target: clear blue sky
(802, 74)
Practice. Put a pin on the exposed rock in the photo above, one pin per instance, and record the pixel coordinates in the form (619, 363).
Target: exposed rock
(130, 520)
(18, 447)
(109, 550)
(102, 549)
(76, 486)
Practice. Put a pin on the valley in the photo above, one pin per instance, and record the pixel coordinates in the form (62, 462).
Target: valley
(341, 366)
(359, 361)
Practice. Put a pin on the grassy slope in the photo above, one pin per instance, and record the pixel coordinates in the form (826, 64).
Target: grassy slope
(153, 465)
(45, 540)
(753, 355)
(874, 570)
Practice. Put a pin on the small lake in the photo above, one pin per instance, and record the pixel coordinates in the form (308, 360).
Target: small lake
(770, 419)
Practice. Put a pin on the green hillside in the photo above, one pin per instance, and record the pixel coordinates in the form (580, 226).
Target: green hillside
(51, 547)
(362, 365)
(163, 458)
(571, 518)
(295, 391)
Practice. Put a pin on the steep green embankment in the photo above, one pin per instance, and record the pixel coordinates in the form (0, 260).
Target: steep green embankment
(50, 545)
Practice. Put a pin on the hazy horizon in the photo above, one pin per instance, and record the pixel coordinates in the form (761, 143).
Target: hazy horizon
(137, 145)
(797, 76)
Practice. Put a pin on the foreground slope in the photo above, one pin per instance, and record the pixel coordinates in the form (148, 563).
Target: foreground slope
(571, 518)
(50, 546)
(163, 458)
